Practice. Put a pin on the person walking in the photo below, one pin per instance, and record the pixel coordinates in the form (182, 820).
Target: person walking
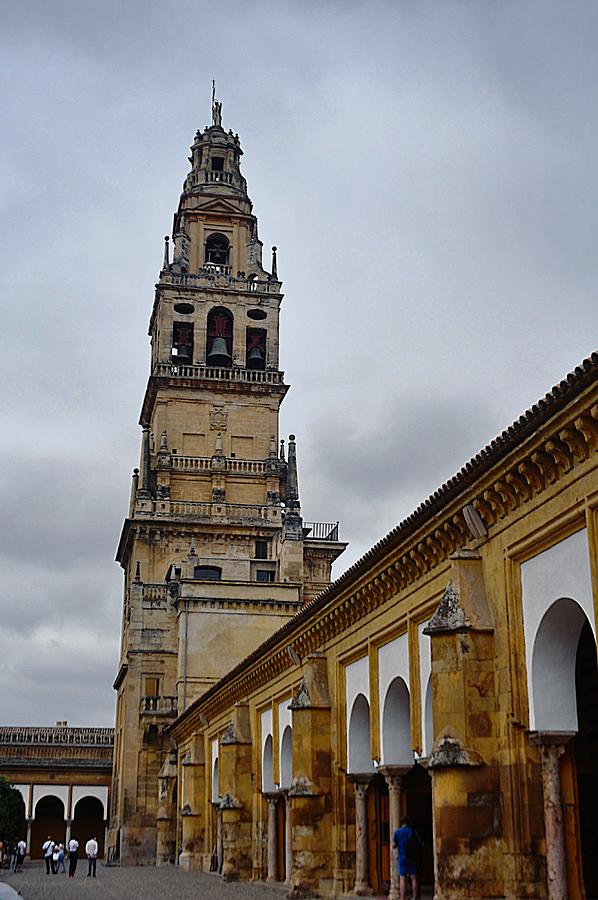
(61, 858)
(409, 846)
(55, 853)
(91, 849)
(73, 849)
(47, 850)
(21, 850)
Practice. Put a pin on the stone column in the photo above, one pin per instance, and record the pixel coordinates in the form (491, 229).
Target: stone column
(288, 839)
(361, 784)
(393, 775)
(552, 747)
(28, 838)
(272, 839)
(67, 836)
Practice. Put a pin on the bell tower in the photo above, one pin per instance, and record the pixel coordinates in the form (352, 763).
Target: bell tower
(215, 553)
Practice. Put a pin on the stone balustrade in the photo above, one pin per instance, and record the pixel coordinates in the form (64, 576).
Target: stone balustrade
(216, 373)
(158, 706)
(209, 274)
(234, 466)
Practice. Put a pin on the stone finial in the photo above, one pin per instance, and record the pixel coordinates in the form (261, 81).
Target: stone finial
(449, 752)
(450, 615)
(464, 604)
(282, 457)
(292, 492)
(166, 263)
(218, 446)
(313, 689)
(164, 442)
(230, 802)
(238, 730)
(137, 571)
(274, 265)
(302, 786)
(272, 452)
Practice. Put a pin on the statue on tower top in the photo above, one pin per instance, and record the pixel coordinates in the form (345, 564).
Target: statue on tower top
(216, 107)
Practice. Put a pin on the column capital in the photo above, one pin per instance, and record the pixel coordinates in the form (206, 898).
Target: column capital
(551, 738)
(361, 783)
(393, 775)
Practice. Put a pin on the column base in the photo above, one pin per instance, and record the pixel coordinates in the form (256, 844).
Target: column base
(362, 889)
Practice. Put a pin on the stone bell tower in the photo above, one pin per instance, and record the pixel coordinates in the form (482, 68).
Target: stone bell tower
(215, 553)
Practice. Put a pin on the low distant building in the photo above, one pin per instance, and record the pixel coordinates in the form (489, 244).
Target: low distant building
(63, 775)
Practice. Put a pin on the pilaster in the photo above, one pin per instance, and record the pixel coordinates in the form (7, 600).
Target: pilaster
(309, 794)
(236, 802)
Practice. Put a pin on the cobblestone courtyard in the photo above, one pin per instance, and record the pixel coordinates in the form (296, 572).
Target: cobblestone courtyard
(132, 883)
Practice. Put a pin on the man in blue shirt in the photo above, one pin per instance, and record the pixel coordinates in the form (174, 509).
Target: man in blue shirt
(408, 843)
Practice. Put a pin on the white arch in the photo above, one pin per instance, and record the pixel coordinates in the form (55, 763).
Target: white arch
(214, 780)
(284, 721)
(358, 750)
(267, 766)
(51, 790)
(561, 572)
(81, 791)
(286, 758)
(424, 645)
(553, 667)
(215, 788)
(24, 790)
(396, 725)
(54, 796)
(428, 729)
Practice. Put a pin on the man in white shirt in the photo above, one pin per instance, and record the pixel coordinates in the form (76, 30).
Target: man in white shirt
(21, 851)
(48, 850)
(73, 849)
(91, 848)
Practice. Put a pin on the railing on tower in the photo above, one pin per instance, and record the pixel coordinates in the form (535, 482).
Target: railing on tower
(216, 373)
(321, 531)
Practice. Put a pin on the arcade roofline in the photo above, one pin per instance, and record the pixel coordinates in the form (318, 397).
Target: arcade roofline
(545, 443)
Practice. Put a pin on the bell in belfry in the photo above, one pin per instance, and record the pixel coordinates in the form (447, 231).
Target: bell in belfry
(255, 358)
(219, 355)
(183, 352)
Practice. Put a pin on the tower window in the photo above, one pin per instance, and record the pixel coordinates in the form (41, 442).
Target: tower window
(265, 575)
(261, 549)
(256, 348)
(182, 341)
(217, 250)
(217, 164)
(220, 338)
(207, 573)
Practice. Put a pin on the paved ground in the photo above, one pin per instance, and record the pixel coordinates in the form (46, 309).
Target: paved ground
(132, 883)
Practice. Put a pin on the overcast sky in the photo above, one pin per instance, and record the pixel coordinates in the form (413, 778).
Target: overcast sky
(428, 173)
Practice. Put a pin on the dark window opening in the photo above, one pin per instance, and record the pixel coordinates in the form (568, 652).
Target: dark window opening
(217, 164)
(217, 250)
(256, 348)
(264, 575)
(182, 341)
(261, 549)
(220, 338)
(207, 573)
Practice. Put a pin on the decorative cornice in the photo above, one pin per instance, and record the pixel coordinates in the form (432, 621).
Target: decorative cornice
(539, 457)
